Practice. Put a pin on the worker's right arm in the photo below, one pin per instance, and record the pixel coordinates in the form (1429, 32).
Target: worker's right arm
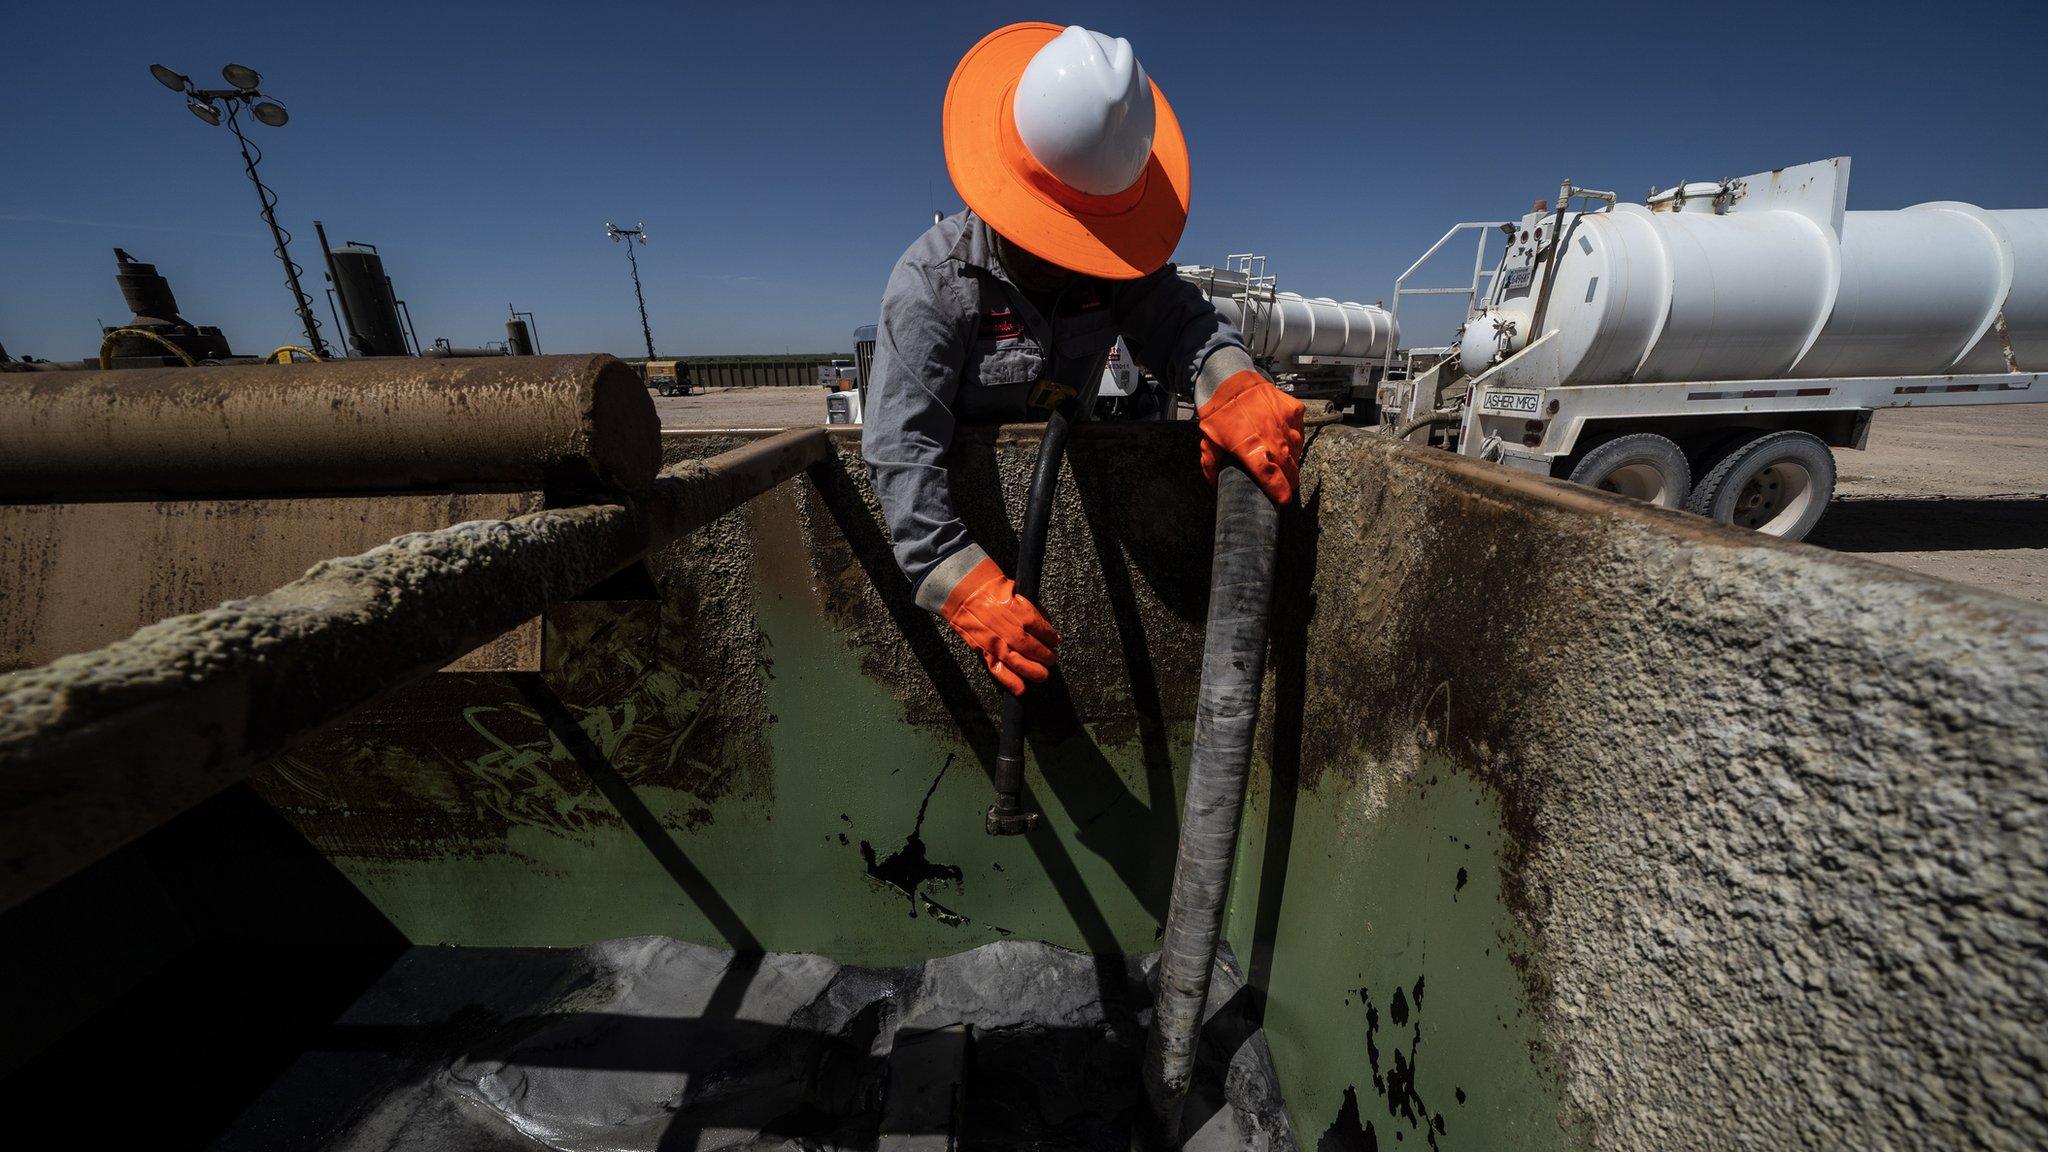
(907, 426)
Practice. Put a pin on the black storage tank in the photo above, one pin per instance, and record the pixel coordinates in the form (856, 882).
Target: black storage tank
(367, 301)
(518, 338)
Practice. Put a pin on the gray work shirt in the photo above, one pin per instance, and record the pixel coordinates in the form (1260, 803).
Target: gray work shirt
(959, 342)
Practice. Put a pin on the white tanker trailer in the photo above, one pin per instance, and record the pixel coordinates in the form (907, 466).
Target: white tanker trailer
(1314, 346)
(1706, 350)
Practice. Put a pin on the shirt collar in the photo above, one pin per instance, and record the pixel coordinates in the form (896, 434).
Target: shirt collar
(976, 245)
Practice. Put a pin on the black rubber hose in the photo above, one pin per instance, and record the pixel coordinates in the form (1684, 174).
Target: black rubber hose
(1428, 420)
(1006, 817)
(1227, 712)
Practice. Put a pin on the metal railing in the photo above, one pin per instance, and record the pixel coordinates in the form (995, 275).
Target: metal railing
(1470, 290)
(1257, 298)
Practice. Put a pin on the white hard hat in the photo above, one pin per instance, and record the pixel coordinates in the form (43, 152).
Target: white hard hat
(1084, 110)
(1060, 142)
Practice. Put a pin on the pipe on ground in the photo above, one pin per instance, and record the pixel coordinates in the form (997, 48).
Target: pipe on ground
(561, 423)
(1227, 712)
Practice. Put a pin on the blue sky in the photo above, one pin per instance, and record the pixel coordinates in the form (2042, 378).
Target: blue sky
(784, 155)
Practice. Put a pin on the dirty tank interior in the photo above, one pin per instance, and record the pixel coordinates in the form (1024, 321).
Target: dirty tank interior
(703, 866)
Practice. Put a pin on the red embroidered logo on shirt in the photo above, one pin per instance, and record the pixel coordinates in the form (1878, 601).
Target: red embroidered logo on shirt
(1000, 324)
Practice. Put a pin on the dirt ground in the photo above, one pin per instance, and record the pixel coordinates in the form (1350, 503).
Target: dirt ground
(1960, 493)
(743, 408)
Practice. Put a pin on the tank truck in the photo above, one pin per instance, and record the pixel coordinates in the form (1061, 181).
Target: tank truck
(1710, 348)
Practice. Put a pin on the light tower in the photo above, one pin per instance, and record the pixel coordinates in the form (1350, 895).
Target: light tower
(215, 104)
(629, 235)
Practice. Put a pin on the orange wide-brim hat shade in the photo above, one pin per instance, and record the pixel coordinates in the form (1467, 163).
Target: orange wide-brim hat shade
(1117, 237)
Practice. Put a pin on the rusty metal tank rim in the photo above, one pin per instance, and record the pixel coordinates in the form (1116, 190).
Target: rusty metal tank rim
(562, 423)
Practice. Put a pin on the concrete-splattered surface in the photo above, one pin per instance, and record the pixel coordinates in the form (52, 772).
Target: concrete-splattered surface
(75, 577)
(1776, 814)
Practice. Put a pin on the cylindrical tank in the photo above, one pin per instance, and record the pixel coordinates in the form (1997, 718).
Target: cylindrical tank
(358, 274)
(518, 338)
(1292, 325)
(1648, 296)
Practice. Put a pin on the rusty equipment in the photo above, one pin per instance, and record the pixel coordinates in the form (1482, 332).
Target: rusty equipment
(98, 748)
(155, 335)
(560, 423)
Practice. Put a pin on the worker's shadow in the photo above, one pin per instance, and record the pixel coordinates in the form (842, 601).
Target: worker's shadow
(1148, 531)
(971, 706)
(1152, 531)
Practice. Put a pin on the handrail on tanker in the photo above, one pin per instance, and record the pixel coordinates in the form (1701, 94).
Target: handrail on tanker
(1470, 292)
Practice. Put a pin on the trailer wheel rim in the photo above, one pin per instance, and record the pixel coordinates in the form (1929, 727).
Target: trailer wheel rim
(1645, 482)
(1774, 499)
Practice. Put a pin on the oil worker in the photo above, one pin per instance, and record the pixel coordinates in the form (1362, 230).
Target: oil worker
(1075, 176)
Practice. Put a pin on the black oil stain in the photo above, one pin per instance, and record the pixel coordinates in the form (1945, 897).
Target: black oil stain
(1372, 1046)
(1461, 1095)
(842, 837)
(1346, 1133)
(945, 915)
(941, 913)
(908, 868)
(1395, 1082)
(1462, 877)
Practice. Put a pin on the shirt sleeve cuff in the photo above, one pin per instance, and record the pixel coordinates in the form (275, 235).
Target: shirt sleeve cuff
(1220, 365)
(938, 583)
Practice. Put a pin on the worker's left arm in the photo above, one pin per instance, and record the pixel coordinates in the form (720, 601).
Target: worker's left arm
(1180, 337)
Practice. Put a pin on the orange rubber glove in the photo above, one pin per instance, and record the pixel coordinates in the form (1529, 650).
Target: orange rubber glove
(1253, 420)
(1015, 639)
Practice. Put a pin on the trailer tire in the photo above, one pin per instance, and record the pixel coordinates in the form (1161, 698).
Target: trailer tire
(1778, 484)
(1640, 465)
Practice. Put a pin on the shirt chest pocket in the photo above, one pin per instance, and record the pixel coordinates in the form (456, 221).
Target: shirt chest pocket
(1083, 339)
(1008, 365)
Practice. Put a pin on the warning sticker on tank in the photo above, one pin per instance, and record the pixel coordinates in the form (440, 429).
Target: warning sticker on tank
(1512, 403)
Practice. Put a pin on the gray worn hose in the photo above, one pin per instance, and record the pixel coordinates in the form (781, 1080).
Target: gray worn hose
(1233, 663)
